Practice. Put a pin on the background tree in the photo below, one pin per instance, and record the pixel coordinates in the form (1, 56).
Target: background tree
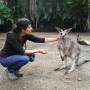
(51, 13)
(77, 12)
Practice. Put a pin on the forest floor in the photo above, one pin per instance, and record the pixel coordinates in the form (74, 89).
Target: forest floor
(40, 74)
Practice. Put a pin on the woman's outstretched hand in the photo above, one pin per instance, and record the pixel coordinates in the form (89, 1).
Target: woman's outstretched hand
(43, 51)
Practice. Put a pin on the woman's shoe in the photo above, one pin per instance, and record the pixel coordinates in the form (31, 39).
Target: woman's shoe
(11, 76)
(19, 74)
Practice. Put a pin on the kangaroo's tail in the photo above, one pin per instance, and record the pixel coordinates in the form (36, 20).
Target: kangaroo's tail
(83, 62)
(82, 42)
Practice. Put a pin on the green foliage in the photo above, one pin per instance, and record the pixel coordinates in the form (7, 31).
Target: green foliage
(5, 13)
(64, 10)
(70, 13)
(75, 8)
(75, 13)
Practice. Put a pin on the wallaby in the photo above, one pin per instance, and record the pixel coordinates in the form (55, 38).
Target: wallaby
(67, 49)
(82, 41)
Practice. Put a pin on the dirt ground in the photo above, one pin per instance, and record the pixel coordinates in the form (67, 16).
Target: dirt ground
(40, 74)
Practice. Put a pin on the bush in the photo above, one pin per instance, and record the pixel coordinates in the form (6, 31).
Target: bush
(5, 17)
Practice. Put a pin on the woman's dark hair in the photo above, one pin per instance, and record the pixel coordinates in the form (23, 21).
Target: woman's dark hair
(21, 23)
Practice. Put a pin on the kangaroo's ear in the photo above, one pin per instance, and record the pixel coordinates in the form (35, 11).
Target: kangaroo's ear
(68, 30)
(59, 29)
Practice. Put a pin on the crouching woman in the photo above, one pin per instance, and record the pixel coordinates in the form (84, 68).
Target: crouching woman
(13, 55)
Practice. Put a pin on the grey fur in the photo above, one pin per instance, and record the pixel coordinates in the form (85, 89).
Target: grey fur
(68, 49)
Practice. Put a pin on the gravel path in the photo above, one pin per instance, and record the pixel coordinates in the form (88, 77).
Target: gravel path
(40, 74)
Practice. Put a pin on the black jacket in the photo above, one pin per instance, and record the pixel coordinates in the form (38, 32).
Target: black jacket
(14, 43)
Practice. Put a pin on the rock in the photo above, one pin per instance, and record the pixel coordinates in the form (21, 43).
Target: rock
(79, 79)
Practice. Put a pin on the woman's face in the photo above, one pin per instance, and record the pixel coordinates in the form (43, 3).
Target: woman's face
(28, 30)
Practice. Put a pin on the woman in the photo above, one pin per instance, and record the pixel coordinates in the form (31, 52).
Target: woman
(13, 55)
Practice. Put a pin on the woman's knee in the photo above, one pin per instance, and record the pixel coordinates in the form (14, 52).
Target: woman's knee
(31, 57)
(25, 59)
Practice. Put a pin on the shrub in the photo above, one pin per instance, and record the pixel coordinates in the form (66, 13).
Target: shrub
(5, 17)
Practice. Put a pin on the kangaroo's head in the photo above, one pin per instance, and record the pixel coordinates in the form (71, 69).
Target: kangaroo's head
(62, 32)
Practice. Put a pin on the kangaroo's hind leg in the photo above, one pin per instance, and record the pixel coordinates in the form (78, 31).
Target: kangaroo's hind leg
(77, 59)
(73, 64)
(64, 60)
(64, 66)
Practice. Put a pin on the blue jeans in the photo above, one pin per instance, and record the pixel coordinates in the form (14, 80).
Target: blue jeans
(15, 62)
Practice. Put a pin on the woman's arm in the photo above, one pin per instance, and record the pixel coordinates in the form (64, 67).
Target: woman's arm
(39, 39)
(28, 52)
(51, 39)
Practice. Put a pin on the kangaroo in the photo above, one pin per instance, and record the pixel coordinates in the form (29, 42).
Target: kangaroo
(68, 50)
